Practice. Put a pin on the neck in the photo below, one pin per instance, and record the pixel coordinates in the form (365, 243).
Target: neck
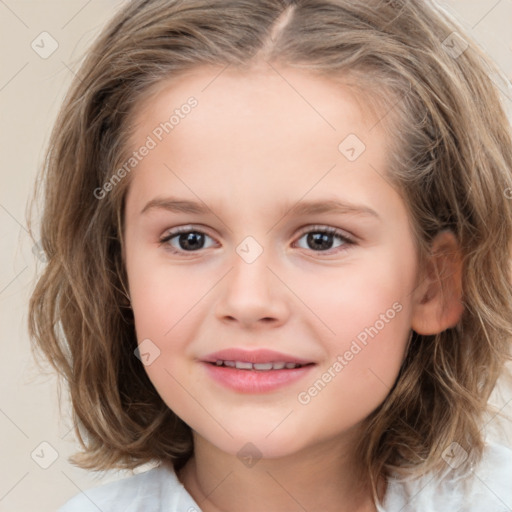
(323, 477)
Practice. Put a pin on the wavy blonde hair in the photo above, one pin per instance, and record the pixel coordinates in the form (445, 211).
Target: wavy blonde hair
(450, 157)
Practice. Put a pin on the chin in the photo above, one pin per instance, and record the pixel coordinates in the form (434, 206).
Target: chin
(252, 445)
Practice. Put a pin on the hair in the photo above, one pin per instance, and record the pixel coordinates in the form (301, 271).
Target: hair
(450, 157)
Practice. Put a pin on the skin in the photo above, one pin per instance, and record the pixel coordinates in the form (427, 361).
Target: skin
(252, 148)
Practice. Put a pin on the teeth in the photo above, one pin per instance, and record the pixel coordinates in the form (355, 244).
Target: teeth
(262, 366)
(243, 365)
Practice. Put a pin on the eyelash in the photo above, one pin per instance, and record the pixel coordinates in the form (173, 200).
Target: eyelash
(347, 241)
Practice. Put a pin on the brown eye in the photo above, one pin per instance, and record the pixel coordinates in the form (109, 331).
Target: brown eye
(322, 239)
(185, 240)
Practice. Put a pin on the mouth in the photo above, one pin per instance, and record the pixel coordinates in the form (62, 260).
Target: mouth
(262, 367)
(256, 371)
(260, 359)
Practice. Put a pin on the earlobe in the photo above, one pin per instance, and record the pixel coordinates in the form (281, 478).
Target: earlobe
(437, 301)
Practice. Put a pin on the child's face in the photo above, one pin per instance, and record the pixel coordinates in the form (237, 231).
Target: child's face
(253, 147)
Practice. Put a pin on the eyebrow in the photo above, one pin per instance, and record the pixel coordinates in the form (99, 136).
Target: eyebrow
(300, 208)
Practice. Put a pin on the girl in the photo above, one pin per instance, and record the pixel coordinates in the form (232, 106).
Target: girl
(278, 238)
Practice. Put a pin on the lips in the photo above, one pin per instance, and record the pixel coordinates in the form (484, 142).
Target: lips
(263, 360)
(264, 367)
(256, 371)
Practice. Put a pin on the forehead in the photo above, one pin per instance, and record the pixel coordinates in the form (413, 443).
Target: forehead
(267, 129)
(248, 97)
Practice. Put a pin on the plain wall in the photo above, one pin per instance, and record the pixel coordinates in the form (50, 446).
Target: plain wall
(31, 90)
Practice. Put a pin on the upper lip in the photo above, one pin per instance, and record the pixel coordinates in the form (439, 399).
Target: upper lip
(253, 356)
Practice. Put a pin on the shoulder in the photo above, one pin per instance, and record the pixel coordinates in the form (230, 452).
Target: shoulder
(487, 487)
(156, 490)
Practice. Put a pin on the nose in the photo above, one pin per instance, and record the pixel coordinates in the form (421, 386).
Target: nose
(253, 295)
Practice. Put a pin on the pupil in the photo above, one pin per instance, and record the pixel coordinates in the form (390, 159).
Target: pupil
(191, 241)
(321, 240)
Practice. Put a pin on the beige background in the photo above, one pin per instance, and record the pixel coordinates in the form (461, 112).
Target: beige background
(31, 89)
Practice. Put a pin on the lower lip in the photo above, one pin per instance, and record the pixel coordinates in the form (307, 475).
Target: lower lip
(255, 381)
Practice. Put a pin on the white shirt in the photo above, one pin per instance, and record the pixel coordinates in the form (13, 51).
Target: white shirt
(488, 488)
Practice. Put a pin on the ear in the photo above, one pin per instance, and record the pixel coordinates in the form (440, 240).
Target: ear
(437, 302)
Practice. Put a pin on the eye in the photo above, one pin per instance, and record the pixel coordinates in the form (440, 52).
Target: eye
(321, 239)
(184, 239)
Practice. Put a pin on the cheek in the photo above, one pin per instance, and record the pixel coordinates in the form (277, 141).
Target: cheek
(366, 312)
(352, 298)
(166, 303)
(363, 358)
(161, 295)
(163, 301)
